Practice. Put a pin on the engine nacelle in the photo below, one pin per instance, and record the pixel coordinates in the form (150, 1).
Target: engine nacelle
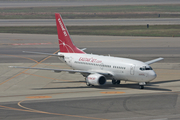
(96, 79)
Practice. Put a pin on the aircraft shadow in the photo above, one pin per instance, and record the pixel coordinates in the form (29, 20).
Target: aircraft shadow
(131, 86)
(111, 86)
(69, 82)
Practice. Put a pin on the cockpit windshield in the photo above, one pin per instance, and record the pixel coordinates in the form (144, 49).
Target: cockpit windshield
(145, 68)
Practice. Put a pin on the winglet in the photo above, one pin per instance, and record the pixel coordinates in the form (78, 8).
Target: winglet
(83, 49)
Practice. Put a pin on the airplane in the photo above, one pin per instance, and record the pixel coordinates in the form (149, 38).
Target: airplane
(97, 69)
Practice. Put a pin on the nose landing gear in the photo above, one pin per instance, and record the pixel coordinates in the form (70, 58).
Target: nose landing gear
(141, 85)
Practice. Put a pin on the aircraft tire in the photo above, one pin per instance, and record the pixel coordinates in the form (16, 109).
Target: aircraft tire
(114, 82)
(118, 82)
(88, 84)
(141, 86)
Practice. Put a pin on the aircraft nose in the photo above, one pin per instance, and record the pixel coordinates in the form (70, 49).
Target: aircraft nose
(152, 75)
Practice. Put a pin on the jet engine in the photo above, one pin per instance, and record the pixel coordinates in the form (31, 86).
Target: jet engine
(95, 79)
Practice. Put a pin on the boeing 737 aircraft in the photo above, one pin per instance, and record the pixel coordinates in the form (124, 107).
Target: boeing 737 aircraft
(97, 68)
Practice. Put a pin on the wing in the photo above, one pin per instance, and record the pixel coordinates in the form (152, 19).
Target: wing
(85, 73)
(153, 61)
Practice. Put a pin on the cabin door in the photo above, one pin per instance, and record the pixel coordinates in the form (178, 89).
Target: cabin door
(70, 61)
(132, 69)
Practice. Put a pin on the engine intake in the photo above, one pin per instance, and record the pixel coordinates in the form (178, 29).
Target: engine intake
(96, 79)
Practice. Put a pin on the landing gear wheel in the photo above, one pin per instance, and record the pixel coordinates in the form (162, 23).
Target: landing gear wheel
(118, 82)
(141, 86)
(88, 84)
(114, 82)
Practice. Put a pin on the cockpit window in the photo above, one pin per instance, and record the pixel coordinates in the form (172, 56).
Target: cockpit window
(145, 68)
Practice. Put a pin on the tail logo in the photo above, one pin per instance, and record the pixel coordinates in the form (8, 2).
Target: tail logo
(62, 27)
(67, 47)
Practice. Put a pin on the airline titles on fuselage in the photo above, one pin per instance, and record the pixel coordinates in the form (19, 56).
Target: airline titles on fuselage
(90, 60)
(95, 62)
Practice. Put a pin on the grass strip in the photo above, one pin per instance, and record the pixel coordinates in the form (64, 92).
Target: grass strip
(106, 8)
(111, 11)
(141, 30)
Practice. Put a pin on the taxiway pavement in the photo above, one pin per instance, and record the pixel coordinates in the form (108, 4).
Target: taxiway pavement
(14, 4)
(90, 22)
(141, 48)
(45, 95)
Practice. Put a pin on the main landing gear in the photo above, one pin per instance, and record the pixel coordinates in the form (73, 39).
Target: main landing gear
(88, 84)
(116, 81)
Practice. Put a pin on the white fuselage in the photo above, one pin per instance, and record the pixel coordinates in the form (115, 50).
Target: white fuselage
(121, 68)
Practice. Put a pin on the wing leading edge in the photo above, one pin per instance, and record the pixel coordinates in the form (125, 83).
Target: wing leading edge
(106, 74)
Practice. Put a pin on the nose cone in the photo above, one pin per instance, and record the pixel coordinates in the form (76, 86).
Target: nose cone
(152, 75)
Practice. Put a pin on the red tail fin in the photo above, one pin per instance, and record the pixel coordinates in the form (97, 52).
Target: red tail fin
(65, 42)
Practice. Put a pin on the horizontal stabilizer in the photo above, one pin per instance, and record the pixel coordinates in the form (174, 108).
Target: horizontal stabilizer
(83, 49)
(43, 53)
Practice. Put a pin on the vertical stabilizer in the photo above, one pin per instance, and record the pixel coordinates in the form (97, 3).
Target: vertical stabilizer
(65, 43)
